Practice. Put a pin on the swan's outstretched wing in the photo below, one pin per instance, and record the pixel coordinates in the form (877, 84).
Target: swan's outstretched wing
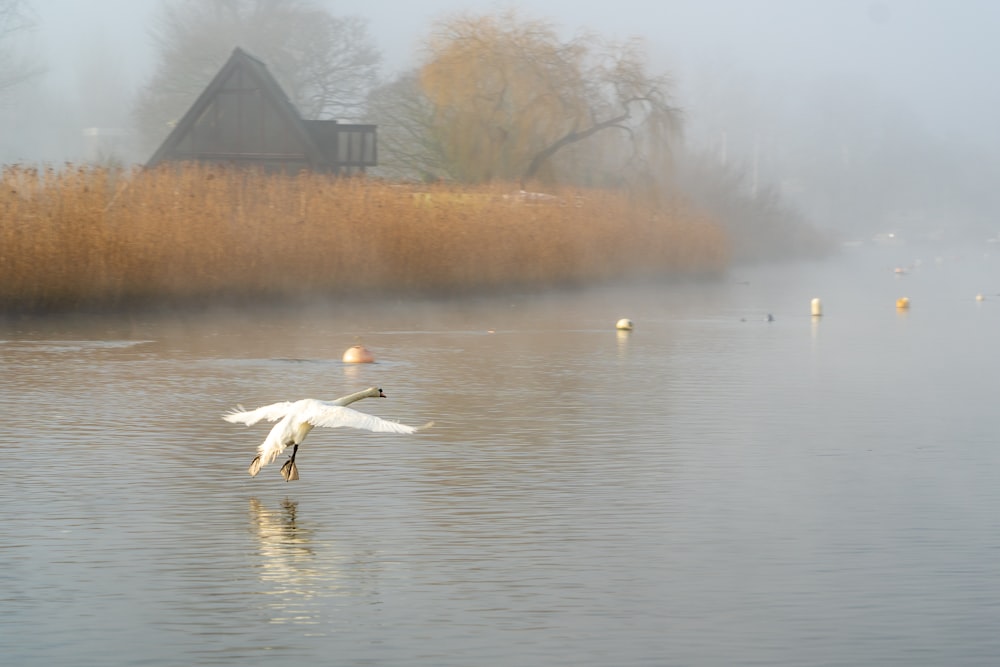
(271, 413)
(319, 413)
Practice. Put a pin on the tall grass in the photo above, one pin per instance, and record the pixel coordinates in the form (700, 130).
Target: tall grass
(92, 237)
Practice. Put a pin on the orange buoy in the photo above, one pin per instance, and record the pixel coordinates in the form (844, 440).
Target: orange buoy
(358, 354)
(902, 303)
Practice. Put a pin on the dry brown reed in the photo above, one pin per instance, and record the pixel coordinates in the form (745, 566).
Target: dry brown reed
(91, 237)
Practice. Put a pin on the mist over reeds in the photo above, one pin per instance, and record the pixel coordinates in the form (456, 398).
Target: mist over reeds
(90, 237)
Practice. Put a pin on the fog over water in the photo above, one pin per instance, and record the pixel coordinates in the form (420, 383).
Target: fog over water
(868, 114)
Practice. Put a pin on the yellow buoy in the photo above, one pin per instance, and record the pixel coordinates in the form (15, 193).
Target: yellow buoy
(624, 324)
(902, 303)
(817, 307)
(358, 354)
(980, 297)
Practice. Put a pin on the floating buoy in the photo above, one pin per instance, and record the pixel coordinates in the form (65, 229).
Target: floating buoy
(817, 307)
(624, 324)
(358, 354)
(902, 303)
(980, 297)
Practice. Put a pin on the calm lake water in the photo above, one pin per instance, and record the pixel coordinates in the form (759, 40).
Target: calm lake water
(709, 489)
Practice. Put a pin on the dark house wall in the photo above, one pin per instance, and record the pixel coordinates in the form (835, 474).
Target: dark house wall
(243, 117)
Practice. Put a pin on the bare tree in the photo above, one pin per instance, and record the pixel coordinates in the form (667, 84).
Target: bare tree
(326, 64)
(15, 20)
(408, 145)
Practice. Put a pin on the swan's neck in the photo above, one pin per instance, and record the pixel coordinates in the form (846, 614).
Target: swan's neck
(351, 398)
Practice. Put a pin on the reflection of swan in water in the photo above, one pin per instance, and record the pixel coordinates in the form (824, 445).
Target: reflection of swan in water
(295, 420)
(285, 545)
(287, 564)
(298, 570)
(274, 527)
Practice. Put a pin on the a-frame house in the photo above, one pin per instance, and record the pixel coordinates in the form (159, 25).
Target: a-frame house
(244, 118)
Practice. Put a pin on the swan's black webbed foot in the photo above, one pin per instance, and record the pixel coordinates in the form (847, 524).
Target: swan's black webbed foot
(290, 471)
(254, 466)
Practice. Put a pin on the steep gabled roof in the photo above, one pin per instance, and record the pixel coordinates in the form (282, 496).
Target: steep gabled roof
(243, 115)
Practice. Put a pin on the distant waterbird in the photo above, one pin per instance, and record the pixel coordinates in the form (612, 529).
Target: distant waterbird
(624, 324)
(296, 419)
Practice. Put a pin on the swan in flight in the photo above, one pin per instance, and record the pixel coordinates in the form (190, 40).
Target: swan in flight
(296, 419)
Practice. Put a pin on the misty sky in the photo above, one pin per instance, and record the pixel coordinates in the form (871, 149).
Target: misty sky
(937, 54)
(746, 70)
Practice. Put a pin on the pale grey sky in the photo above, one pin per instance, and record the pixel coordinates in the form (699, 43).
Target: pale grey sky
(935, 56)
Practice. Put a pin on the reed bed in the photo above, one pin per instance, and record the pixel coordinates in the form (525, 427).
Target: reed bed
(83, 237)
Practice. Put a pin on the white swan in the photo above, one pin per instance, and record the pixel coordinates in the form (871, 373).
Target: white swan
(296, 419)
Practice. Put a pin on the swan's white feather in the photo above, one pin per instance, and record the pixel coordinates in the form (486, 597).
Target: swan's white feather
(279, 437)
(321, 413)
(271, 413)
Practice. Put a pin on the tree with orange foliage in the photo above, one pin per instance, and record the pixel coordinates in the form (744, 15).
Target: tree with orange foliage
(505, 96)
